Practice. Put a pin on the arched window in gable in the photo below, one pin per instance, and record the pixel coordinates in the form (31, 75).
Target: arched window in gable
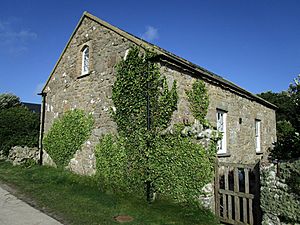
(85, 60)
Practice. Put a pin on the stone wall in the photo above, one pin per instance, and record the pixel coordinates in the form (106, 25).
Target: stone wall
(241, 115)
(280, 202)
(23, 155)
(67, 89)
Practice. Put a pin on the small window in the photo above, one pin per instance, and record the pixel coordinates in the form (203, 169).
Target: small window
(257, 136)
(221, 127)
(85, 61)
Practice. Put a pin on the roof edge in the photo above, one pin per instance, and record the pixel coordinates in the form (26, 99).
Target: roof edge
(170, 55)
(65, 48)
(166, 54)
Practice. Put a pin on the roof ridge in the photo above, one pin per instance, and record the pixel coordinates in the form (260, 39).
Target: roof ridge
(168, 55)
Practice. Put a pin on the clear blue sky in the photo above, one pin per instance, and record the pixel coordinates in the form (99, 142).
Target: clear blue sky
(255, 44)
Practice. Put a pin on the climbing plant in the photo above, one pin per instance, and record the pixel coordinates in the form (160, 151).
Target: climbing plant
(180, 166)
(138, 79)
(199, 101)
(144, 154)
(144, 106)
(66, 136)
(112, 162)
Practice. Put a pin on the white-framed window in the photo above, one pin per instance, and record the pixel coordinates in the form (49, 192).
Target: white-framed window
(85, 60)
(221, 127)
(257, 135)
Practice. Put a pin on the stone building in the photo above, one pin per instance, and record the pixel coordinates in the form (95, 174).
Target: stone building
(84, 74)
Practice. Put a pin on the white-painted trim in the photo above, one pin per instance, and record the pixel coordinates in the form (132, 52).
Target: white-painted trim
(257, 135)
(222, 144)
(85, 69)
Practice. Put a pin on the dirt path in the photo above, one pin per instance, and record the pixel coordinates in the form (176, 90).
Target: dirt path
(14, 211)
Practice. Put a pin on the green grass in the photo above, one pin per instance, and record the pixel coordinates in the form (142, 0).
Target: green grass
(77, 199)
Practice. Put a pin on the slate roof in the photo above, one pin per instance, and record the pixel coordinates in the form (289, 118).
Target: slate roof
(174, 59)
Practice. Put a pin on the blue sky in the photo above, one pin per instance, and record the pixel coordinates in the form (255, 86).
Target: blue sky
(255, 44)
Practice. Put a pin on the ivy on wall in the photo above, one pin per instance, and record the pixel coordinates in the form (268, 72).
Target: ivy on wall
(112, 162)
(173, 165)
(66, 136)
(199, 101)
(138, 77)
(180, 166)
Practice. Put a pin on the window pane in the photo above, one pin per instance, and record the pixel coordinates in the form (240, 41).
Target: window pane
(221, 127)
(85, 60)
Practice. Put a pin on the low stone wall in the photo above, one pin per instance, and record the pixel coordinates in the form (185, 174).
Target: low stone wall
(280, 196)
(22, 155)
(207, 198)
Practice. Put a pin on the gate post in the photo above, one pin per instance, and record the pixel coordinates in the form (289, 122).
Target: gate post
(216, 189)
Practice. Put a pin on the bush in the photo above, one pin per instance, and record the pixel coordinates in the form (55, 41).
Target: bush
(177, 167)
(18, 127)
(180, 167)
(8, 101)
(111, 163)
(66, 136)
(288, 142)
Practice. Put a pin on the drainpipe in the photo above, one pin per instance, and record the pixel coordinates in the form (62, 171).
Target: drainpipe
(42, 127)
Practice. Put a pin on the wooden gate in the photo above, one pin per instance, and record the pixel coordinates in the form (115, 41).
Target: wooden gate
(237, 193)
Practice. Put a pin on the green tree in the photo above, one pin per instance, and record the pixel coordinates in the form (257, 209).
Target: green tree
(288, 121)
(284, 102)
(294, 91)
(9, 100)
(18, 127)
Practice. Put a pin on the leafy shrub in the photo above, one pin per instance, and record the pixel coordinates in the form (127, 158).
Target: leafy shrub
(18, 127)
(177, 167)
(66, 136)
(111, 163)
(290, 172)
(180, 167)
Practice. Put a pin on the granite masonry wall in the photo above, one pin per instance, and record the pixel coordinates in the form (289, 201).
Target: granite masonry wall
(241, 116)
(280, 197)
(67, 90)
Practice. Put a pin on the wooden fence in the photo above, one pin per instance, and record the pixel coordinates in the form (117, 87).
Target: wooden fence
(237, 193)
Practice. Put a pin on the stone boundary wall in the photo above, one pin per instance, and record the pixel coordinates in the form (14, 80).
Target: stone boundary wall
(19, 155)
(280, 197)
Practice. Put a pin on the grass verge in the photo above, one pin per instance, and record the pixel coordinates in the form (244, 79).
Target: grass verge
(77, 200)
